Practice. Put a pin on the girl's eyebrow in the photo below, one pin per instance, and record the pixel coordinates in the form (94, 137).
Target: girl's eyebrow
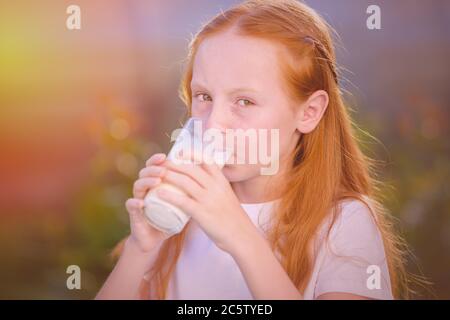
(231, 91)
(243, 89)
(197, 85)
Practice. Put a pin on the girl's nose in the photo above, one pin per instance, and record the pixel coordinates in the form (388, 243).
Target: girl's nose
(217, 118)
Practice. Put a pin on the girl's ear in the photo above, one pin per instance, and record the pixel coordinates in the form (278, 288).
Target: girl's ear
(311, 111)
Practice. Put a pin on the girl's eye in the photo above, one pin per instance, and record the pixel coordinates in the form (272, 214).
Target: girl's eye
(204, 97)
(244, 102)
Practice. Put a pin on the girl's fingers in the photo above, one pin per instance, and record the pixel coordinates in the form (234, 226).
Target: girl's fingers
(184, 182)
(194, 171)
(152, 171)
(141, 186)
(134, 208)
(157, 158)
(181, 201)
(215, 171)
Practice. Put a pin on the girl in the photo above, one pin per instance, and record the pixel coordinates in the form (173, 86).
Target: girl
(313, 230)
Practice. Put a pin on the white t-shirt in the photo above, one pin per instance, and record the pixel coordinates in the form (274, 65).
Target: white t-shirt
(351, 260)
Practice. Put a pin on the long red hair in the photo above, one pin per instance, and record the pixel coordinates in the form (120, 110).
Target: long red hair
(327, 165)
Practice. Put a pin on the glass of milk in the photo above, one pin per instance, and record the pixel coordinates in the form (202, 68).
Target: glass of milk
(191, 146)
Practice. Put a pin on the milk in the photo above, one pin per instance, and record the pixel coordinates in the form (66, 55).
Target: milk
(163, 215)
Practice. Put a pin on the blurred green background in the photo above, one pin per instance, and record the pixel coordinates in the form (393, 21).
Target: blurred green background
(81, 111)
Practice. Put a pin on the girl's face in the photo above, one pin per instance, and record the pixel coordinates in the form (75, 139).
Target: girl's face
(237, 84)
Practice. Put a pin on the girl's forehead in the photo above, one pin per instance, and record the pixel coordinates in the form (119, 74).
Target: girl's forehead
(229, 45)
(236, 58)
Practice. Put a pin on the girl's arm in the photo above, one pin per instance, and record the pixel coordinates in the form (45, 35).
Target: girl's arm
(142, 246)
(124, 281)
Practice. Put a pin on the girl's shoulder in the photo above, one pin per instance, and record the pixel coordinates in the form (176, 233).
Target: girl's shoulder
(352, 221)
(356, 211)
(351, 245)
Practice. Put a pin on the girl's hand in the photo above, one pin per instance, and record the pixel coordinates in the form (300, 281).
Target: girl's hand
(144, 236)
(211, 202)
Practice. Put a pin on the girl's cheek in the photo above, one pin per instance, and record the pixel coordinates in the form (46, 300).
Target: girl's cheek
(199, 109)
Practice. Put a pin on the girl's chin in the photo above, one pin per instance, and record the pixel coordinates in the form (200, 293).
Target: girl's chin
(235, 173)
(227, 169)
(230, 172)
